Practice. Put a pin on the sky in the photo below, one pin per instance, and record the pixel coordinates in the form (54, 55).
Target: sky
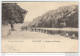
(36, 9)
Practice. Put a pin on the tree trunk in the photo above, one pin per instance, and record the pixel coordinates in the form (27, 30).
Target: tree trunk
(12, 27)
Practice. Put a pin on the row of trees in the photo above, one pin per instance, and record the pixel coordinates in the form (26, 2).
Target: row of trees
(66, 16)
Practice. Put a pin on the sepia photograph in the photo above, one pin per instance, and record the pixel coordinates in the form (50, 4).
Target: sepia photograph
(39, 27)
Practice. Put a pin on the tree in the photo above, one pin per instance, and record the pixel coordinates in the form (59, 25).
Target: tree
(12, 13)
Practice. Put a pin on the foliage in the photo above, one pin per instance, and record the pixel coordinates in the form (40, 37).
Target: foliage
(66, 16)
(12, 12)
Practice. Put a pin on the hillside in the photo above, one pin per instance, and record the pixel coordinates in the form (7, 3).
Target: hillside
(66, 16)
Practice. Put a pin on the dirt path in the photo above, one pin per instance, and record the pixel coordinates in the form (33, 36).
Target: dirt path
(27, 41)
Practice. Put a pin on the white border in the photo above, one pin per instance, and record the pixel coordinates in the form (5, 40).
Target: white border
(35, 54)
(40, 0)
(0, 26)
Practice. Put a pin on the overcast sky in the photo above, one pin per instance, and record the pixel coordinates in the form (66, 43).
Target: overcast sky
(36, 9)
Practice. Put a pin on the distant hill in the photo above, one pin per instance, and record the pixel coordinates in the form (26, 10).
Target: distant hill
(66, 16)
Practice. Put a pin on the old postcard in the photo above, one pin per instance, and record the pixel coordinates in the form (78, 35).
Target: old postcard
(42, 27)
